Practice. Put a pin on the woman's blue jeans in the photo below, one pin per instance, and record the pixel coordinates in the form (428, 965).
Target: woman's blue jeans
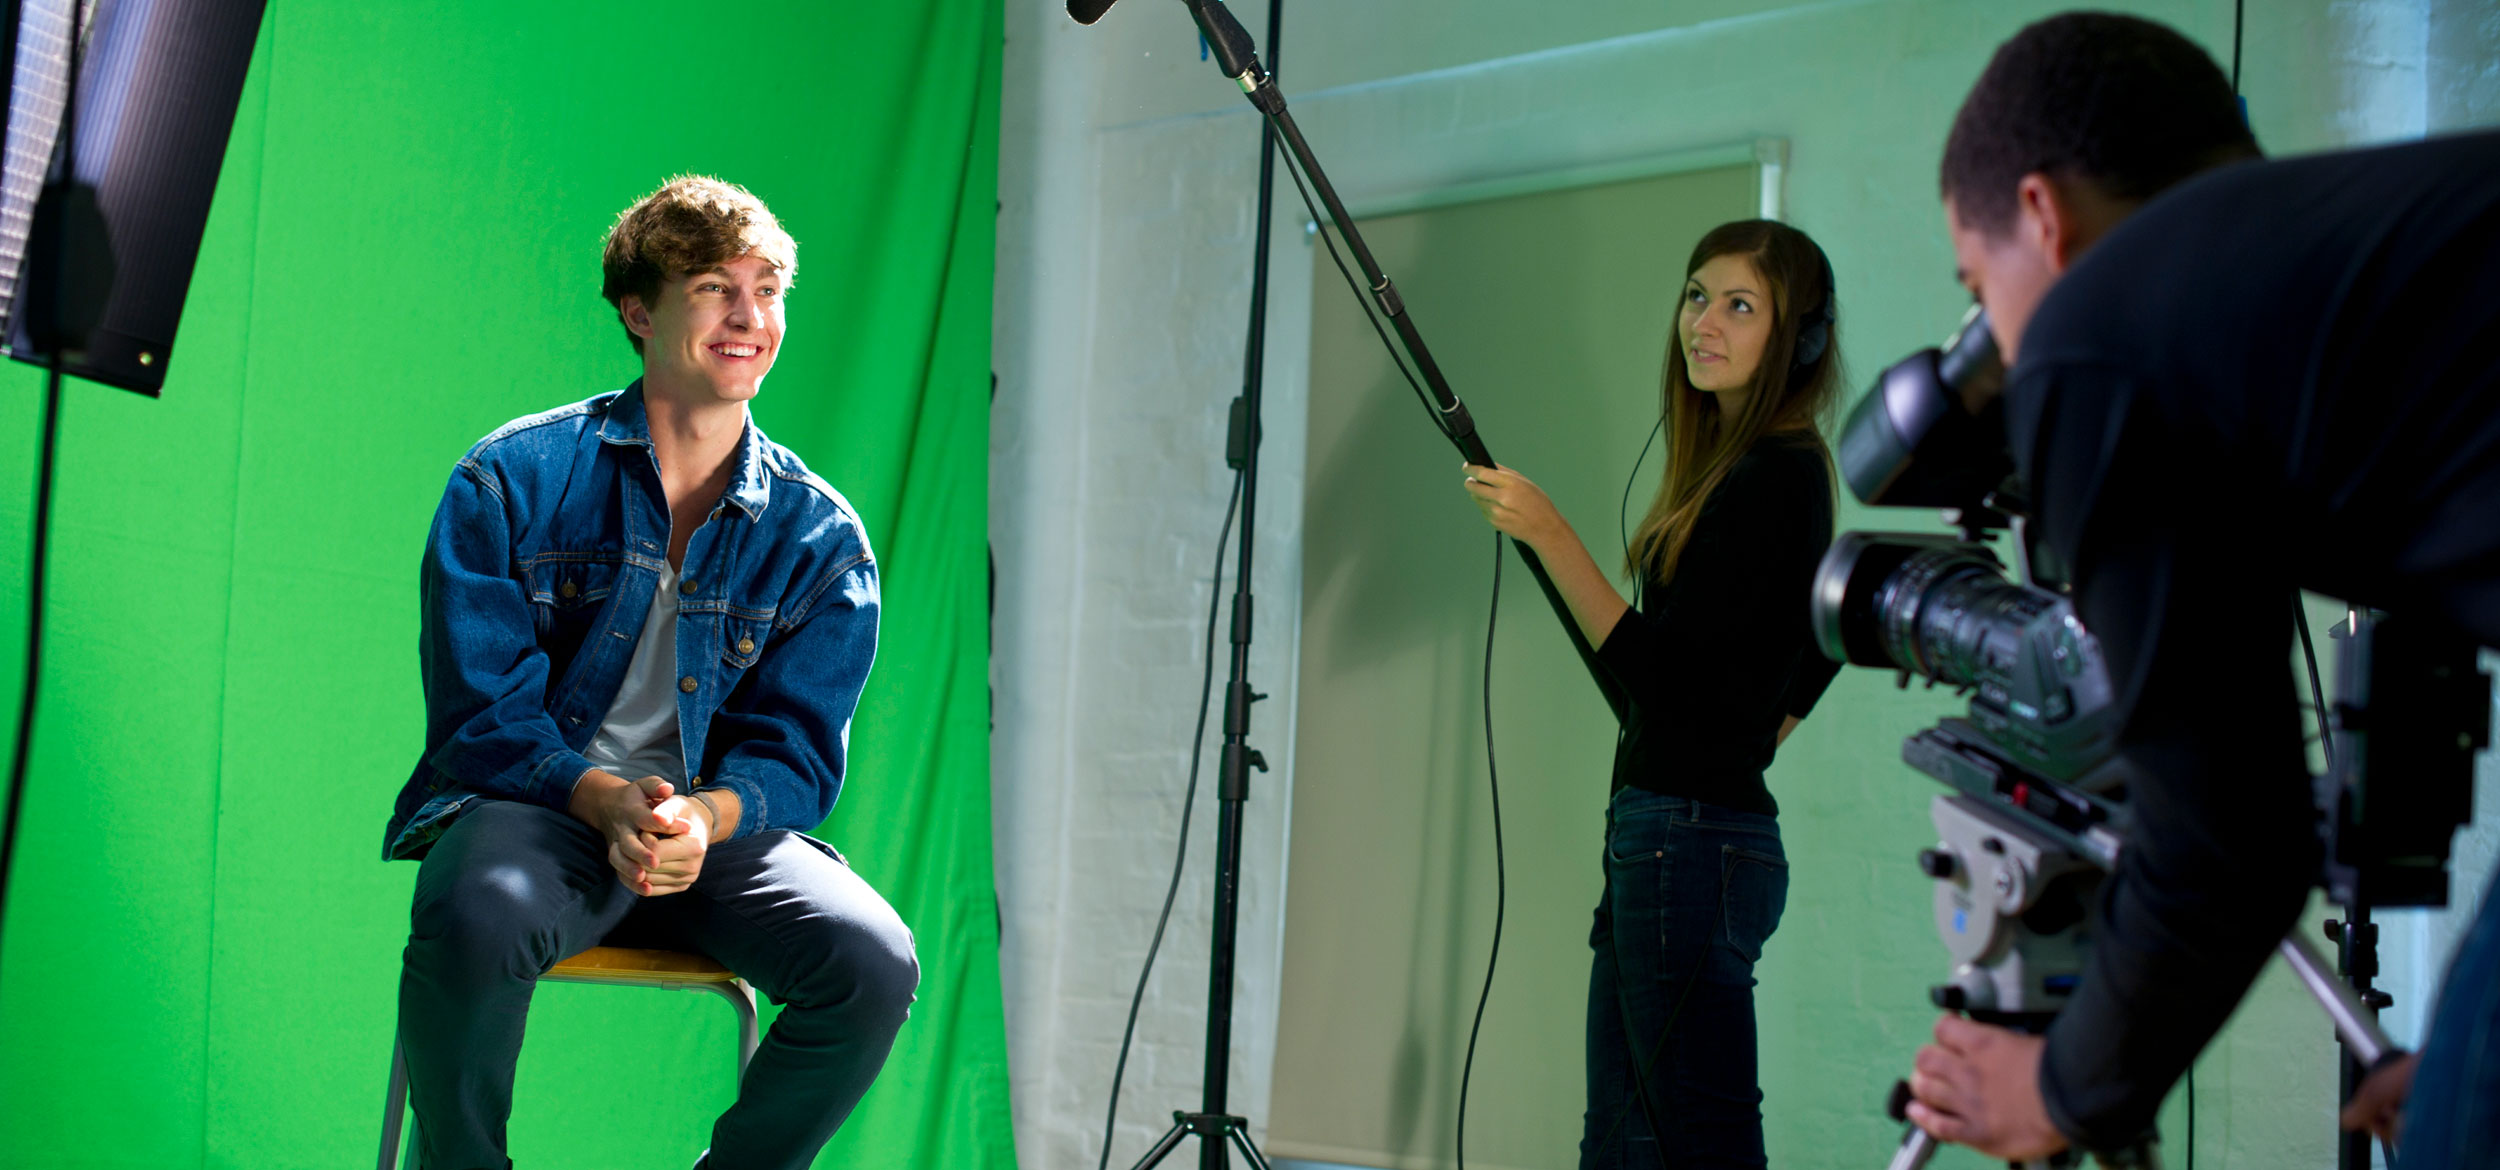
(2452, 1116)
(1692, 892)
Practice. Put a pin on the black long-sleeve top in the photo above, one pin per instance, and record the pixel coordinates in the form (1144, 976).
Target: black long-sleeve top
(2276, 374)
(1702, 674)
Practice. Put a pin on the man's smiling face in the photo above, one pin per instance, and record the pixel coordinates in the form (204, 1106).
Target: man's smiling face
(711, 336)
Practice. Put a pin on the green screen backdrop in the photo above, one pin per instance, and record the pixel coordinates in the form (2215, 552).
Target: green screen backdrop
(201, 958)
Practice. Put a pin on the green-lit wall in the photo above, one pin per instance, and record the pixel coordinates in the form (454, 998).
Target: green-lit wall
(202, 944)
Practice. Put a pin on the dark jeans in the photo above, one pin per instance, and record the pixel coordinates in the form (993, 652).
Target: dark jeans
(514, 888)
(1692, 891)
(2452, 1116)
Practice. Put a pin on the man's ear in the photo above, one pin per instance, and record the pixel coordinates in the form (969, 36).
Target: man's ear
(636, 315)
(2062, 217)
(2045, 221)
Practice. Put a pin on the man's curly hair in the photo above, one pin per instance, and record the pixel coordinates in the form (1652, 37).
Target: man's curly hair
(2124, 103)
(693, 223)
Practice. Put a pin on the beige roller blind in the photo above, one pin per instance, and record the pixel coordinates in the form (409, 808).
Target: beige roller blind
(1550, 313)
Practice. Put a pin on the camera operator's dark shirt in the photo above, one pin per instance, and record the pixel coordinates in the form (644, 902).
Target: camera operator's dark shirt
(2276, 374)
(1703, 673)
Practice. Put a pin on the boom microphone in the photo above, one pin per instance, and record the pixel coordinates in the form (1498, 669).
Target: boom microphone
(1089, 11)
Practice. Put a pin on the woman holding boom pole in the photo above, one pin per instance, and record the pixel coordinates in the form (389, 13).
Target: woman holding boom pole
(1707, 675)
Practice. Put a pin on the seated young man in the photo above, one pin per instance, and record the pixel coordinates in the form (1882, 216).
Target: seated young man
(645, 628)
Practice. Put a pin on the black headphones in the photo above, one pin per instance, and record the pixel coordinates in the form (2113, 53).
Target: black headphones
(1815, 334)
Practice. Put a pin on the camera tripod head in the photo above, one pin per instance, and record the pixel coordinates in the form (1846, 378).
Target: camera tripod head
(2011, 903)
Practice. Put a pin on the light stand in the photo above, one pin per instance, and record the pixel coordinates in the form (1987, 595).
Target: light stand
(2356, 959)
(1213, 1124)
(2354, 935)
(1237, 56)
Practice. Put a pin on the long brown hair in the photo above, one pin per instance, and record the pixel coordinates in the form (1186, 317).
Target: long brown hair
(1702, 445)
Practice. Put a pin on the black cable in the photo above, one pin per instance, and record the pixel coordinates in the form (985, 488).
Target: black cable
(1501, 881)
(1323, 226)
(34, 626)
(1197, 753)
(2317, 694)
(1626, 506)
(2239, 18)
(1640, 1072)
(43, 475)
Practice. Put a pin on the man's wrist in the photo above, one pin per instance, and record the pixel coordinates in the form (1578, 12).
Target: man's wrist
(588, 790)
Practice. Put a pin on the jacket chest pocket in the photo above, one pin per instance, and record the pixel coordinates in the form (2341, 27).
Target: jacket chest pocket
(744, 635)
(566, 593)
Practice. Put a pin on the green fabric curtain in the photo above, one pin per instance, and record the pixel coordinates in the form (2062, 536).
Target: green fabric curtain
(202, 949)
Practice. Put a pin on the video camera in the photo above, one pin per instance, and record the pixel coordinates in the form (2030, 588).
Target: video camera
(2411, 698)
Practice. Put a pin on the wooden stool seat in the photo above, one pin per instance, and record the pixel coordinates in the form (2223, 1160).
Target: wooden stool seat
(640, 967)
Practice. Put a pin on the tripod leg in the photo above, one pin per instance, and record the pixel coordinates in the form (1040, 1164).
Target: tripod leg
(1171, 1138)
(1249, 1153)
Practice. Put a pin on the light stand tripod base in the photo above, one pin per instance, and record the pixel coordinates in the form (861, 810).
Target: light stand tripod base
(1214, 1127)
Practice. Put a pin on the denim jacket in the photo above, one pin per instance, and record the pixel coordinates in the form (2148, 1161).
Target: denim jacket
(538, 576)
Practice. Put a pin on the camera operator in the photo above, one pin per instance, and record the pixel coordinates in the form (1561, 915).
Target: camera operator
(2226, 378)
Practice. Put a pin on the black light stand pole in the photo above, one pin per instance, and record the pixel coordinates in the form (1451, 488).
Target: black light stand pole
(1214, 1126)
(1233, 773)
(2356, 959)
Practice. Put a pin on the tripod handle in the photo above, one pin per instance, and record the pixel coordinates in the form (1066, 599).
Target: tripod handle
(2355, 1024)
(1917, 1146)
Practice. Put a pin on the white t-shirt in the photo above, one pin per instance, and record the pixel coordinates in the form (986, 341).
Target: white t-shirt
(639, 737)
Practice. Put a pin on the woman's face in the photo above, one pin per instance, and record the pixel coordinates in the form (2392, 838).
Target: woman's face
(1724, 325)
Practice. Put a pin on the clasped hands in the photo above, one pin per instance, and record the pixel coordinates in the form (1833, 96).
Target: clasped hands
(656, 838)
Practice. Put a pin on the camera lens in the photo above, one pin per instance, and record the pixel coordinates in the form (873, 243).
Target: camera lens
(1950, 614)
(1873, 588)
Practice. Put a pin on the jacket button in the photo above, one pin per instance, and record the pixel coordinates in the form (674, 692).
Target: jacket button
(687, 587)
(568, 589)
(746, 645)
(686, 684)
(696, 782)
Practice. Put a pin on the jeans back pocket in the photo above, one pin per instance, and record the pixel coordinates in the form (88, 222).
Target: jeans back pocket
(1753, 890)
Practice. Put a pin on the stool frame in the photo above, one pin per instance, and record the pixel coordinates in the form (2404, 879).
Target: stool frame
(616, 967)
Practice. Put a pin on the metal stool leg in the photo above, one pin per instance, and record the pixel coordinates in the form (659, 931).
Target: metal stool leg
(741, 996)
(739, 993)
(394, 1106)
